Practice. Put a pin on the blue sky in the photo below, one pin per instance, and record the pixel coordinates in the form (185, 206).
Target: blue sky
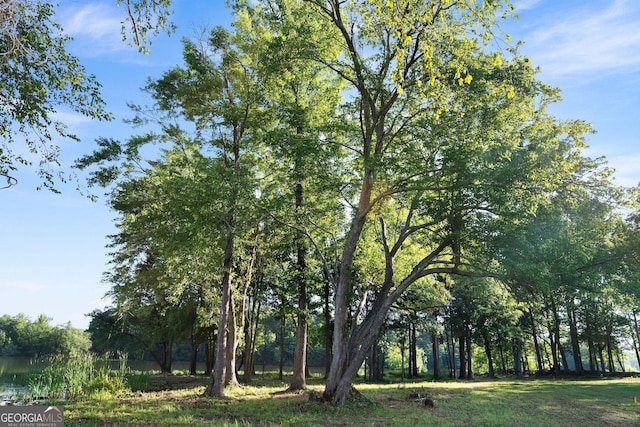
(53, 246)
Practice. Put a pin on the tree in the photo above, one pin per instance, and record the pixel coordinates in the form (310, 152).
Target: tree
(302, 97)
(39, 77)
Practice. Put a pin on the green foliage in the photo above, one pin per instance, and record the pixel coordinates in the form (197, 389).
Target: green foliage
(146, 17)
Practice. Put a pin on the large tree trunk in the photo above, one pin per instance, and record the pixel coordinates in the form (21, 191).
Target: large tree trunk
(338, 383)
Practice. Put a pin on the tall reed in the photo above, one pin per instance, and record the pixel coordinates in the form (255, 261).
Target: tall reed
(76, 375)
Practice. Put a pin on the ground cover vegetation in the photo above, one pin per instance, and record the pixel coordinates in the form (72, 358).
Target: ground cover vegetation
(180, 400)
(373, 181)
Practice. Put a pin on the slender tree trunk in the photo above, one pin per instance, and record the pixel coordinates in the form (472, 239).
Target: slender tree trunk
(452, 356)
(503, 362)
(462, 355)
(609, 341)
(217, 383)
(563, 356)
(601, 354)
(193, 360)
(328, 336)
(517, 360)
(469, 354)
(246, 316)
(231, 376)
(593, 362)
(209, 352)
(298, 382)
(402, 350)
(536, 345)
(575, 345)
(636, 337)
(435, 348)
(248, 338)
(281, 362)
(619, 359)
(300, 353)
(414, 351)
(378, 361)
(487, 350)
(410, 347)
(554, 350)
(256, 326)
(166, 362)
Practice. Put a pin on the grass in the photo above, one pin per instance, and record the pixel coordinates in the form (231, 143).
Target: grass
(178, 400)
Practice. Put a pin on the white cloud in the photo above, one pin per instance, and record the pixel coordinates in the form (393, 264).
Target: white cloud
(526, 4)
(95, 27)
(70, 118)
(591, 42)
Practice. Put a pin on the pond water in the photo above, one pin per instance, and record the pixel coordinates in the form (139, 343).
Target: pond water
(18, 365)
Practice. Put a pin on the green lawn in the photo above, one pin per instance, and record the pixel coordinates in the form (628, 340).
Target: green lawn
(178, 400)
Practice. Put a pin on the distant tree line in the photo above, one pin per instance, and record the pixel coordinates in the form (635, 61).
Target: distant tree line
(23, 337)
